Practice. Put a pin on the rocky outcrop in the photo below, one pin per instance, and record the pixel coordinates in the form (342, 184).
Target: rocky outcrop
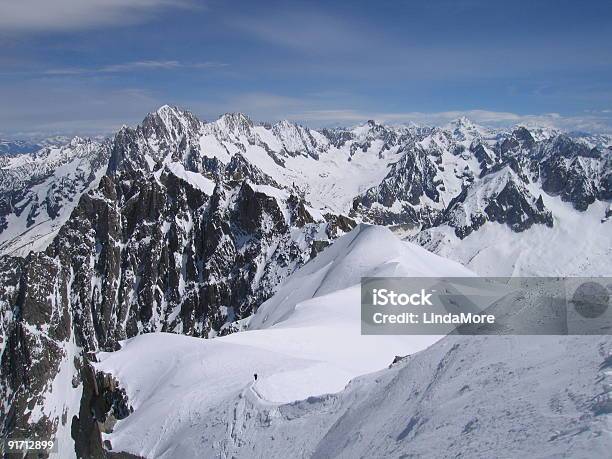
(437, 177)
(502, 198)
(103, 403)
(570, 179)
(400, 197)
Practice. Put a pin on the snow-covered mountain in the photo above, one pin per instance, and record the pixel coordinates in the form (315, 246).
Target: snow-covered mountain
(39, 190)
(408, 176)
(204, 229)
(19, 146)
(8, 147)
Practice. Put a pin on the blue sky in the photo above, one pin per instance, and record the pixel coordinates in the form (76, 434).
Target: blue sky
(71, 66)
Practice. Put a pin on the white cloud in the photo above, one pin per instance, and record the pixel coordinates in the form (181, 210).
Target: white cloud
(132, 67)
(305, 30)
(61, 15)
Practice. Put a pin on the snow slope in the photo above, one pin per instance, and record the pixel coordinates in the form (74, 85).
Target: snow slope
(578, 244)
(495, 396)
(303, 342)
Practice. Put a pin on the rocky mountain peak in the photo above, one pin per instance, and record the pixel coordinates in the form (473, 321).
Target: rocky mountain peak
(463, 122)
(286, 128)
(502, 197)
(464, 130)
(166, 109)
(522, 134)
(75, 141)
(237, 123)
(170, 123)
(285, 124)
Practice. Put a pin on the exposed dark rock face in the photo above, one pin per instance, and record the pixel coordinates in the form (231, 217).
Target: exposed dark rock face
(524, 138)
(397, 199)
(484, 158)
(512, 206)
(240, 169)
(103, 403)
(503, 199)
(605, 190)
(338, 225)
(571, 180)
(38, 325)
(574, 171)
(408, 180)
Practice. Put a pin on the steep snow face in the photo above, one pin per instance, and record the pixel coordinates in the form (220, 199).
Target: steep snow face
(39, 191)
(305, 341)
(367, 251)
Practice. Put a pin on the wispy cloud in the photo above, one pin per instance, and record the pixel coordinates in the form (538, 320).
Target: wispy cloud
(134, 66)
(307, 29)
(65, 15)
